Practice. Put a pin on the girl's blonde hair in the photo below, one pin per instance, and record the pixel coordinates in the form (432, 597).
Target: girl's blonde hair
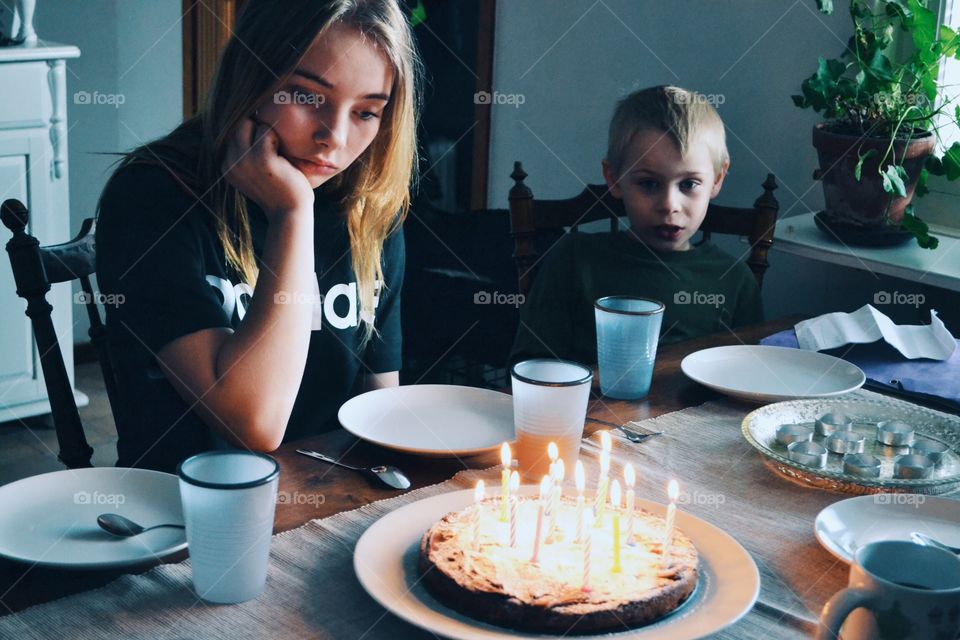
(684, 115)
(269, 41)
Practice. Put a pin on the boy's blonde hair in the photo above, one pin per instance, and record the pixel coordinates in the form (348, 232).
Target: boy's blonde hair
(684, 115)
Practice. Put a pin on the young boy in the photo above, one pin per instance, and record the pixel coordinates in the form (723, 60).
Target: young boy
(666, 159)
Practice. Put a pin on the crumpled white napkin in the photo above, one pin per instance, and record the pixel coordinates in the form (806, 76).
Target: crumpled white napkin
(866, 324)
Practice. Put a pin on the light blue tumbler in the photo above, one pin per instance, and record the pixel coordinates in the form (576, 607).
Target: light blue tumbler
(628, 330)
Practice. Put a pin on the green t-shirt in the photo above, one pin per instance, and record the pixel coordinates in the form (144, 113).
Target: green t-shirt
(704, 289)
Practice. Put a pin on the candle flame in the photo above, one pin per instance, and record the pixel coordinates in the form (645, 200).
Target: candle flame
(505, 455)
(615, 494)
(545, 487)
(629, 477)
(552, 451)
(580, 476)
(673, 490)
(514, 481)
(480, 492)
(605, 442)
(604, 463)
(559, 471)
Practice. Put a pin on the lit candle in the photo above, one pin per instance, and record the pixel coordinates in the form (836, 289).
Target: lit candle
(587, 543)
(673, 491)
(553, 453)
(581, 479)
(504, 480)
(630, 479)
(478, 495)
(544, 496)
(600, 503)
(615, 507)
(559, 471)
(514, 505)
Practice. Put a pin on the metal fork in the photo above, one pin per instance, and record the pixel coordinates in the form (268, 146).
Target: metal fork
(636, 433)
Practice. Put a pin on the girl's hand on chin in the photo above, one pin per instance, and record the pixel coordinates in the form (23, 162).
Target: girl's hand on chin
(254, 166)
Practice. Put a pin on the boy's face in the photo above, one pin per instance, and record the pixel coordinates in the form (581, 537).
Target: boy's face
(664, 193)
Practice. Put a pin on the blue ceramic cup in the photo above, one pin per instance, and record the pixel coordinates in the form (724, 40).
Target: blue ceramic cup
(628, 330)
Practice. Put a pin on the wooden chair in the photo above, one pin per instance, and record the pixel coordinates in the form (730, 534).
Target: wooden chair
(536, 224)
(35, 268)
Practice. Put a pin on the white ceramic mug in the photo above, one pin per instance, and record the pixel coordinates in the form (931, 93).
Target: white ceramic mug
(898, 590)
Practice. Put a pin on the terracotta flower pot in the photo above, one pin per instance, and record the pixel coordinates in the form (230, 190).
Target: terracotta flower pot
(863, 203)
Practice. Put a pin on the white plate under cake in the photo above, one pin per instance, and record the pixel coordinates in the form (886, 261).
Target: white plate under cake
(498, 583)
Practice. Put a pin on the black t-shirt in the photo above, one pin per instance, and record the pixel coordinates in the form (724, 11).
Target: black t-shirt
(157, 247)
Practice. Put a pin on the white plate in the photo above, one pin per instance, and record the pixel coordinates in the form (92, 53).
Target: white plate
(845, 526)
(385, 561)
(51, 519)
(758, 373)
(431, 419)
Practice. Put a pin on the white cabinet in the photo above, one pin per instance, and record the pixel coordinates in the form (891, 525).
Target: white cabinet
(33, 169)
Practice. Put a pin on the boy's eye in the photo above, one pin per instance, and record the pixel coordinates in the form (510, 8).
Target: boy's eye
(647, 185)
(368, 115)
(689, 185)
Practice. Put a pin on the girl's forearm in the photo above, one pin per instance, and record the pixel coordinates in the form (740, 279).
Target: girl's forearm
(260, 367)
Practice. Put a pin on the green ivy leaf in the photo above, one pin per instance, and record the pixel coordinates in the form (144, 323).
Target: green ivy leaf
(893, 181)
(922, 189)
(418, 15)
(858, 169)
(880, 67)
(935, 166)
(951, 162)
(923, 28)
(919, 229)
(825, 6)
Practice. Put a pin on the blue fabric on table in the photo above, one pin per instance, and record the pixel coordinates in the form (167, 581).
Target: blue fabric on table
(886, 367)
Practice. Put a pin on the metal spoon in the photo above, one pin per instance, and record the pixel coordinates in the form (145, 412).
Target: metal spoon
(921, 538)
(125, 527)
(389, 475)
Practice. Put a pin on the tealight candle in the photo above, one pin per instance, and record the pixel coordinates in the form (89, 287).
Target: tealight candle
(587, 544)
(580, 477)
(505, 459)
(514, 505)
(630, 479)
(673, 492)
(553, 453)
(615, 508)
(478, 496)
(544, 496)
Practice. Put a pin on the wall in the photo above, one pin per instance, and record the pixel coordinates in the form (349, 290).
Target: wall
(131, 56)
(570, 61)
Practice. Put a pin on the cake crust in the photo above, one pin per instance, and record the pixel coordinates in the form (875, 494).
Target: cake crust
(500, 585)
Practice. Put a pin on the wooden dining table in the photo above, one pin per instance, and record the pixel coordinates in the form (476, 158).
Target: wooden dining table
(311, 489)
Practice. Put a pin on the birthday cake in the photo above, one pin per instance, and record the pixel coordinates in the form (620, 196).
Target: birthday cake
(565, 584)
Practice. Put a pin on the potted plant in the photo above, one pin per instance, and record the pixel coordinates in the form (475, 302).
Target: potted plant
(883, 107)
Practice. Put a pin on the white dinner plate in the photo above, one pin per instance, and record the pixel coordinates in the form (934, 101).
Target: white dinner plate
(51, 519)
(845, 526)
(437, 420)
(385, 561)
(758, 373)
